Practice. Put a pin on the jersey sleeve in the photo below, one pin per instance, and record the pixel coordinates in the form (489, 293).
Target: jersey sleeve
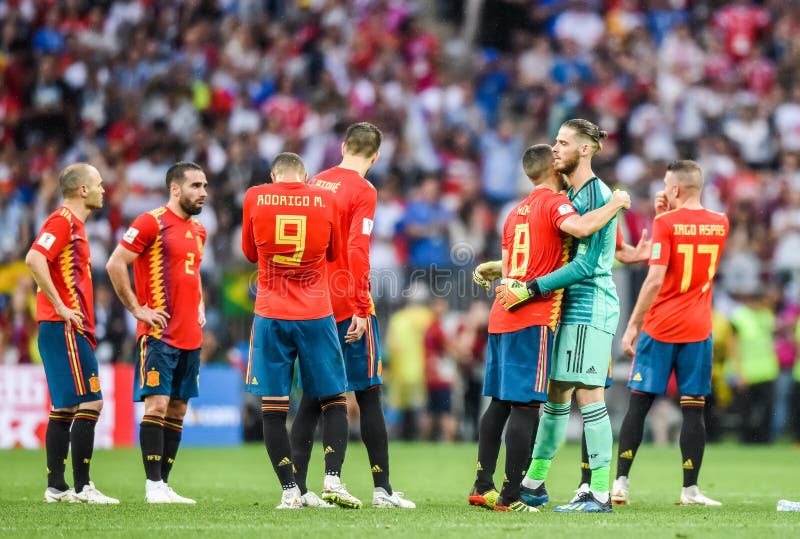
(662, 243)
(248, 240)
(140, 234)
(53, 237)
(560, 209)
(358, 238)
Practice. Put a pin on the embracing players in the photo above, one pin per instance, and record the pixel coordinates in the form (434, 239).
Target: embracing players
(520, 341)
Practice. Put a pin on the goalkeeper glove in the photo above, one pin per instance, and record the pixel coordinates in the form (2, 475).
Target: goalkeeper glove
(512, 292)
(485, 273)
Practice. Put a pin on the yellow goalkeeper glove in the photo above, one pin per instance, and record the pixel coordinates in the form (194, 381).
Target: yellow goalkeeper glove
(512, 292)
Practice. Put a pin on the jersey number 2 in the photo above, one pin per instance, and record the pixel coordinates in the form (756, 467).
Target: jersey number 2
(688, 252)
(290, 230)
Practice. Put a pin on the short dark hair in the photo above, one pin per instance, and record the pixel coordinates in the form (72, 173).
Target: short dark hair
(72, 177)
(362, 139)
(177, 172)
(537, 160)
(287, 162)
(587, 130)
(688, 173)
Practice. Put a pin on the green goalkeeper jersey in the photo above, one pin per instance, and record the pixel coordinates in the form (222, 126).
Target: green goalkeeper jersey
(593, 299)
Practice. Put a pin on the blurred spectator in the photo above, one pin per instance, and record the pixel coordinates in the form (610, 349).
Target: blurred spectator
(114, 344)
(786, 352)
(754, 365)
(15, 220)
(405, 367)
(439, 423)
(425, 224)
(18, 327)
(501, 154)
(469, 349)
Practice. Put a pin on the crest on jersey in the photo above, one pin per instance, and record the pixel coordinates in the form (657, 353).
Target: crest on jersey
(94, 384)
(565, 209)
(366, 227)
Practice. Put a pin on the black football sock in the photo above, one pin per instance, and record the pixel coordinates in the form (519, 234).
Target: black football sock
(693, 438)
(276, 439)
(151, 442)
(82, 442)
(302, 437)
(374, 436)
(586, 470)
(56, 442)
(334, 432)
(173, 428)
(519, 440)
(489, 439)
(632, 431)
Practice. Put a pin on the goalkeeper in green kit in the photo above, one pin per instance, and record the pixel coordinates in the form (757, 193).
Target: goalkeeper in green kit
(590, 314)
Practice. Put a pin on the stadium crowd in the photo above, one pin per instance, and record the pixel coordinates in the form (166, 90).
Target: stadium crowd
(133, 86)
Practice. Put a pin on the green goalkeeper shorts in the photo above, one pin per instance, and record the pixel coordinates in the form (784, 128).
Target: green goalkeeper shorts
(581, 354)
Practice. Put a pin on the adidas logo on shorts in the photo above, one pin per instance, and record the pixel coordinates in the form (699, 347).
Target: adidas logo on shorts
(591, 370)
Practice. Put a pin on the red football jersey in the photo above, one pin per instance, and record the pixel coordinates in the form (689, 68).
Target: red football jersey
(348, 275)
(689, 243)
(62, 240)
(534, 241)
(291, 230)
(167, 273)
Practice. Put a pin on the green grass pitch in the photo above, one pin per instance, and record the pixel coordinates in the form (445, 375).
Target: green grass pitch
(237, 492)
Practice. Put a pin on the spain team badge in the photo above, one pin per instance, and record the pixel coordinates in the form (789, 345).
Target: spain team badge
(94, 384)
(152, 378)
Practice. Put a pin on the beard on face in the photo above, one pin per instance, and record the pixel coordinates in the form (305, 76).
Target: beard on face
(189, 208)
(568, 166)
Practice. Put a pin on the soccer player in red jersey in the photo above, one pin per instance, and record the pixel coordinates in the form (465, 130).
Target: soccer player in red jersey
(165, 246)
(356, 323)
(516, 379)
(61, 266)
(291, 229)
(670, 327)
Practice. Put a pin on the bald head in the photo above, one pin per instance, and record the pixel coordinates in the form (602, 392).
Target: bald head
(74, 176)
(687, 174)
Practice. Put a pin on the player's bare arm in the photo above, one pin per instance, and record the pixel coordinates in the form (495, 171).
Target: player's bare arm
(37, 263)
(628, 254)
(652, 284)
(117, 268)
(201, 308)
(581, 226)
